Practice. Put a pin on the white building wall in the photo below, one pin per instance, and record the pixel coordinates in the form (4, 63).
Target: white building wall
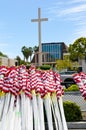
(11, 62)
(4, 61)
(7, 61)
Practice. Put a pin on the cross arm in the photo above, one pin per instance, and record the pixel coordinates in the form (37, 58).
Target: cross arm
(37, 20)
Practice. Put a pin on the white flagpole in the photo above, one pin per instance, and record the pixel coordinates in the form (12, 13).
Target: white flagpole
(47, 104)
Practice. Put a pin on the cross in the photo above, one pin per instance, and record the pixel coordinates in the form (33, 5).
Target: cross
(39, 20)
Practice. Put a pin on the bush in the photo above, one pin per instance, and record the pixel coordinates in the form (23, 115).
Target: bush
(72, 111)
(73, 87)
(45, 67)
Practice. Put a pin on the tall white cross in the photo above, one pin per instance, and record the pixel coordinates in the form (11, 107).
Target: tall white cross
(39, 20)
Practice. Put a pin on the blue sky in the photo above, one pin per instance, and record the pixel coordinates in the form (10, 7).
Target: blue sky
(66, 22)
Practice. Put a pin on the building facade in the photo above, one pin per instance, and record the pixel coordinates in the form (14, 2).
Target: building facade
(51, 52)
(4, 61)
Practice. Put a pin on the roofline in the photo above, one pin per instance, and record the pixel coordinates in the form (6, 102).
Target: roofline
(53, 43)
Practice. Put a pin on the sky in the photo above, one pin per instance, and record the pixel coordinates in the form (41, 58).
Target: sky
(66, 23)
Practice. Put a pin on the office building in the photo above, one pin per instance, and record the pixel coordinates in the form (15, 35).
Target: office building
(51, 52)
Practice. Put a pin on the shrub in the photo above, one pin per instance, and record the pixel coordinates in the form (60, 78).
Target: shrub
(45, 67)
(73, 87)
(72, 111)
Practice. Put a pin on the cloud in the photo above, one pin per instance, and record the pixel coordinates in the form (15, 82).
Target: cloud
(67, 11)
(74, 12)
(81, 23)
(80, 31)
(76, 1)
(62, 9)
(6, 36)
(61, 12)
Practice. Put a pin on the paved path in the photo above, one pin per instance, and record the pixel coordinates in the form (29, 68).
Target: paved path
(77, 98)
(77, 125)
(77, 129)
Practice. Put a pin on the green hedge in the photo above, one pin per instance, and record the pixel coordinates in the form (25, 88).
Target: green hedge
(72, 111)
(45, 67)
(72, 88)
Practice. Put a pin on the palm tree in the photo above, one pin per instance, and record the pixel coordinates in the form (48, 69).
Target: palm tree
(26, 52)
(35, 48)
(23, 51)
(30, 52)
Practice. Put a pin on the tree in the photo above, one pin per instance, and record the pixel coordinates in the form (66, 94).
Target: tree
(23, 51)
(77, 50)
(18, 59)
(63, 64)
(26, 52)
(35, 48)
(30, 52)
(66, 63)
(1, 54)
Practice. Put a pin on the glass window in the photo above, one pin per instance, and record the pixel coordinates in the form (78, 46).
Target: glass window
(54, 51)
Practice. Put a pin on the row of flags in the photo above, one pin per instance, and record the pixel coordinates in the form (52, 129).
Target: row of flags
(19, 79)
(29, 95)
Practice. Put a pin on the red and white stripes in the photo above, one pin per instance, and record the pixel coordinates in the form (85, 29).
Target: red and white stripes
(80, 80)
(18, 79)
(24, 113)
